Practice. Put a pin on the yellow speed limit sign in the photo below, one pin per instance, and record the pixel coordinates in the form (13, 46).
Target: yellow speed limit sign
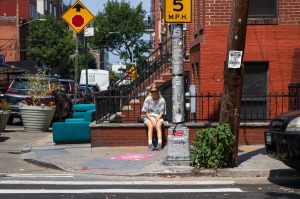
(178, 11)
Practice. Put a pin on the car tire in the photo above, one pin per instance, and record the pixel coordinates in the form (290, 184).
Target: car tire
(293, 165)
(10, 120)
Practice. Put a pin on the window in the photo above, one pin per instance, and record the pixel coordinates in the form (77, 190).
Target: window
(254, 100)
(32, 13)
(263, 9)
(50, 7)
(54, 11)
(46, 5)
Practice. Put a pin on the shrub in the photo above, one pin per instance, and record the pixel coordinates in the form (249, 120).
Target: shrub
(39, 89)
(213, 147)
(4, 105)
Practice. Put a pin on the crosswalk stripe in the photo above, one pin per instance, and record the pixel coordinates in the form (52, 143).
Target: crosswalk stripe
(32, 175)
(82, 191)
(22, 182)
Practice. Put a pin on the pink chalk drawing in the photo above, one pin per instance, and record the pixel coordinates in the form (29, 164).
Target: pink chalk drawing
(132, 156)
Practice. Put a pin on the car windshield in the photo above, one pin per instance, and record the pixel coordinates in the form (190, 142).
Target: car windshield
(66, 85)
(82, 89)
(19, 84)
(91, 87)
(22, 83)
(95, 89)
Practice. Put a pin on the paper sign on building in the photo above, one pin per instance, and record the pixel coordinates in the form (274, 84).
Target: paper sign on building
(235, 59)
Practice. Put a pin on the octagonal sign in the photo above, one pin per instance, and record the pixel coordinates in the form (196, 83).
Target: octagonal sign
(78, 16)
(77, 20)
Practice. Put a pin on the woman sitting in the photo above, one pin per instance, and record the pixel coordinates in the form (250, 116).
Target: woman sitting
(154, 108)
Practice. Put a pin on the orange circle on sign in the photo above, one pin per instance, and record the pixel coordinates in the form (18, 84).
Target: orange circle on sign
(77, 20)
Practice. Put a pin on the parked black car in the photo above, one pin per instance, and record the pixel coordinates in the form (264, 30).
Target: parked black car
(282, 139)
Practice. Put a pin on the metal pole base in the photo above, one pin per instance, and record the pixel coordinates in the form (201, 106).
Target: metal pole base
(176, 162)
(178, 143)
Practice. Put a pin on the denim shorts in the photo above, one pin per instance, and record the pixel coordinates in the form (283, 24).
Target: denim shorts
(154, 116)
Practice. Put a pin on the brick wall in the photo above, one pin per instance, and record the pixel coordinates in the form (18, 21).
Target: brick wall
(8, 8)
(279, 45)
(8, 38)
(289, 12)
(218, 12)
(136, 135)
(157, 28)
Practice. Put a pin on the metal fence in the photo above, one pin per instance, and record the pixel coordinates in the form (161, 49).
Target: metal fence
(116, 107)
(148, 70)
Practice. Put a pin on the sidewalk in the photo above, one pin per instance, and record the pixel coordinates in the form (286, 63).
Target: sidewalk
(138, 161)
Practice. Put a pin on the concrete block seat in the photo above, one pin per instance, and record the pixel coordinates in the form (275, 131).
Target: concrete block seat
(76, 129)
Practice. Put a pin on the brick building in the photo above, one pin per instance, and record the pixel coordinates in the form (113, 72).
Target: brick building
(11, 45)
(272, 50)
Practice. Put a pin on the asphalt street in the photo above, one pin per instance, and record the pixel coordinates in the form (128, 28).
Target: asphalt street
(144, 189)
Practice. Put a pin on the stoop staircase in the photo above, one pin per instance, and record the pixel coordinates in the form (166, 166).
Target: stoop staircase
(123, 103)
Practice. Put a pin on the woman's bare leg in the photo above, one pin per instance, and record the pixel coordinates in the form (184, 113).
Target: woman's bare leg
(158, 130)
(150, 130)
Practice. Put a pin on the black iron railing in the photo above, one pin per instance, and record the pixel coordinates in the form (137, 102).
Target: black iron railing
(116, 107)
(147, 71)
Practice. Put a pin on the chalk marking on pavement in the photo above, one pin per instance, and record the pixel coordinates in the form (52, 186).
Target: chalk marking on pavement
(32, 175)
(22, 182)
(82, 191)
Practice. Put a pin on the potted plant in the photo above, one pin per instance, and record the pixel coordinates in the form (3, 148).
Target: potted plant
(37, 111)
(4, 113)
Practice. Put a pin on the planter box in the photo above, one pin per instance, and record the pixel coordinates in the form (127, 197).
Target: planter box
(36, 118)
(4, 115)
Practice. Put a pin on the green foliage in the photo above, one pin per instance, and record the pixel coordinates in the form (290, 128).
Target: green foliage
(213, 147)
(4, 105)
(91, 62)
(119, 28)
(113, 76)
(38, 87)
(49, 42)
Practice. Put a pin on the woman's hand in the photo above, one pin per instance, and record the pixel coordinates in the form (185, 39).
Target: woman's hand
(153, 121)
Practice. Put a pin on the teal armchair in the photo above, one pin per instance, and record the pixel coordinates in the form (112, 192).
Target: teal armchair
(75, 129)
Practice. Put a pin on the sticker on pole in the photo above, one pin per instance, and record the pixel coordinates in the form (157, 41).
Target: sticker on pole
(235, 59)
(78, 16)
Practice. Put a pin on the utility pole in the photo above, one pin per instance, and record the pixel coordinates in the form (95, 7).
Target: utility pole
(177, 13)
(234, 71)
(178, 133)
(17, 32)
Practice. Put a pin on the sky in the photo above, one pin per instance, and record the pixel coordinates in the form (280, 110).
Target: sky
(94, 6)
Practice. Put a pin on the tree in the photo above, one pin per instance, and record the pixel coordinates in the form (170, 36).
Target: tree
(91, 62)
(119, 29)
(49, 41)
(113, 76)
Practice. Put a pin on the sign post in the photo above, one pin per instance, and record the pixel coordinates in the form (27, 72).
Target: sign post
(88, 32)
(78, 17)
(178, 12)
